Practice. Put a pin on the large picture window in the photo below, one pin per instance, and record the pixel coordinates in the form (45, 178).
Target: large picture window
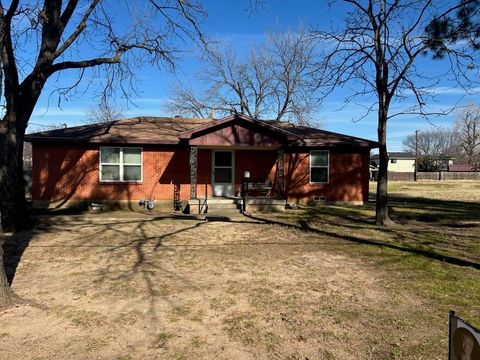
(121, 164)
(319, 166)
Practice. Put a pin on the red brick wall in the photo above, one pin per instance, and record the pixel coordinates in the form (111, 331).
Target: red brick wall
(349, 174)
(63, 172)
(71, 172)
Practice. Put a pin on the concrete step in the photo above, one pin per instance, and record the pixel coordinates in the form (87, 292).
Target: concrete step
(224, 206)
(223, 211)
(222, 200)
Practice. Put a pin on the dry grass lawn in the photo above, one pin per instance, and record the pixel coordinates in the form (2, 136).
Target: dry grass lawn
(328, 286)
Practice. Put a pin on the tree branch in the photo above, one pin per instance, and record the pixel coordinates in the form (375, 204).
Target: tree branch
(11, 11)
(80, 27)
(7, 56)
(84, 63)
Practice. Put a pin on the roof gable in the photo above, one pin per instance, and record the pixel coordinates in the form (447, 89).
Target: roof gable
(243, 120)
(237, 130)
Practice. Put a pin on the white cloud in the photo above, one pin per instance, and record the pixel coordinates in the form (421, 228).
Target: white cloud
(160, 100)
(58, 112)
(446, 90)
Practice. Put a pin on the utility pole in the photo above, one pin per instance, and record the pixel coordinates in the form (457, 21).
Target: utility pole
(416, 156)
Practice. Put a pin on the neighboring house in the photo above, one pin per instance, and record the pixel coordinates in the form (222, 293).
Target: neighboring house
(178, 159)
(397, 161)
(404, 162)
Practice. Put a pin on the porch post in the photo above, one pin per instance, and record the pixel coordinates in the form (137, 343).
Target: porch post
(193, 172)
(281, 171)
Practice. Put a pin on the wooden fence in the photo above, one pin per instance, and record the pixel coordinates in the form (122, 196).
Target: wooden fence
(437, 175)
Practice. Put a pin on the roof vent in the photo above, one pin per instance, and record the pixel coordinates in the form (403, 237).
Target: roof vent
(177, 116)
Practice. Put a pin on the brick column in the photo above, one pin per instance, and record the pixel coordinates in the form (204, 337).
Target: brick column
(193, 171)
(280, 171)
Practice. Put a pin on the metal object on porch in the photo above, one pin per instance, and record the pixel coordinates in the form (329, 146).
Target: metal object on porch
(204, 205)
(255, 188)
(255, 195)
(193, 171)
(261, 188)
(244, 192)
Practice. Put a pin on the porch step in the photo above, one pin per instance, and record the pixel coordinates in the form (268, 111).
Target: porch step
(222, 200)
(218, 206)
(223, 212)
(222, 206)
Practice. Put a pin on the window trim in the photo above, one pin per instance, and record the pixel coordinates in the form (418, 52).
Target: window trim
(321, 167)
(120, 164)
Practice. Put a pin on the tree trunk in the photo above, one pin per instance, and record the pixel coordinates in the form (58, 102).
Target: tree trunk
(6, 293)
(381, 210)
(13, 214)
(12, 182)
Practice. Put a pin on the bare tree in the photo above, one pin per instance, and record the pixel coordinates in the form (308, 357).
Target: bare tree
(104, 112)
(442, 142)
(187, 102)
(73, 35)
(272, 82)
(377, 52)
(468, 127)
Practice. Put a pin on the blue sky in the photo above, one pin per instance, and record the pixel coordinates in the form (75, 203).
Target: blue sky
(233, 22)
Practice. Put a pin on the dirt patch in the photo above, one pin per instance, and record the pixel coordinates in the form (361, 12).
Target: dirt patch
(138, 287)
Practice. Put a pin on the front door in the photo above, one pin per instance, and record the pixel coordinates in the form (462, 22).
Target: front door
(222, 173)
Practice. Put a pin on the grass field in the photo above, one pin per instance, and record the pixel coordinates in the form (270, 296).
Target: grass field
(317, 283)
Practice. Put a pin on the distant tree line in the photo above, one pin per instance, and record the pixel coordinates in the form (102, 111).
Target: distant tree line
(461, 142)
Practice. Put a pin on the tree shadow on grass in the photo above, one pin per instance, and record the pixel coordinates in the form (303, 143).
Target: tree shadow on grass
(49, 222)
(447, 212)
(130, 250)
(403, 210)
(15, 244)
(356, 218)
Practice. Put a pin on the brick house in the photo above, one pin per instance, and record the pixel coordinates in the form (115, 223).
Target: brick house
(179, 160)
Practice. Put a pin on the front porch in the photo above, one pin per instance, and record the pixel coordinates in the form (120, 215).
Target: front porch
(221, 176)
(228, 154)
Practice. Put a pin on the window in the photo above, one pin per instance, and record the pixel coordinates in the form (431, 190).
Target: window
(120, 164)
(319, 163)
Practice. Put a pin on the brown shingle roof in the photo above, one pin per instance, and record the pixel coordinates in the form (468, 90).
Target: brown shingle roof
(138, 130)
(317, 137)
(165, 130)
